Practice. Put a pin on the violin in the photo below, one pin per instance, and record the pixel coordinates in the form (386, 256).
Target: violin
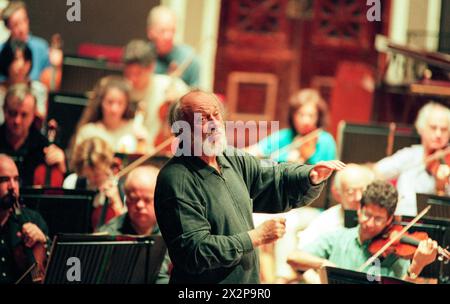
(434, 164)
(29, 260)
(45, 175)
(102, 214)
(396, 237)
(406, 246)
(308, 148)
(302, 147)
(164, 132)
(51, 77)
(174, 72)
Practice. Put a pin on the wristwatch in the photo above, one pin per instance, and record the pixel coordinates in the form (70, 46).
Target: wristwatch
(412, 275)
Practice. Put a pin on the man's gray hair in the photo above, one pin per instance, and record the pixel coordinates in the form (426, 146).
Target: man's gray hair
(425, 112)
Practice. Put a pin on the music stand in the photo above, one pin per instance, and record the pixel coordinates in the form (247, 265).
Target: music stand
(105, 259)
(66, 109)
(437, 228)
(333, 275)
(350, 218)
(64, 210)
(440, 209)
(80, 74)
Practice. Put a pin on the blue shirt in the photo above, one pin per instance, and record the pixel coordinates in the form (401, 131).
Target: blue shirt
(39, 53)
(180, 54)
(325, 147)
(343, 248)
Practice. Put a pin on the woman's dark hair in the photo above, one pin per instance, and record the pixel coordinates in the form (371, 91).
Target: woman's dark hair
(8, 55)
(306, 96)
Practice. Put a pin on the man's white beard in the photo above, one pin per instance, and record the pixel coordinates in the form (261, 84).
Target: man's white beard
(216, 146)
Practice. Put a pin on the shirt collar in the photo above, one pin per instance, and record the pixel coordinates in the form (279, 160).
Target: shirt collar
(204, 169)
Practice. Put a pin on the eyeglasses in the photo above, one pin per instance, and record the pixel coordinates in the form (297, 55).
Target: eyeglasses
(378, 220)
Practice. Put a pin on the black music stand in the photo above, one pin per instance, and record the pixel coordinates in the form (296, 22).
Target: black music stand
(440, 209)
(80, 74)
(64, 210)
(333, 275)
(66, 109)
(350, 218)
(436, 223)
(105, 259)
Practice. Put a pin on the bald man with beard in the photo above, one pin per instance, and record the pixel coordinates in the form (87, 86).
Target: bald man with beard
(206, 193)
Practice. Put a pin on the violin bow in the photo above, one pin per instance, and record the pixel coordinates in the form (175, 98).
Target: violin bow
(143, 158)
(297, 143)
(394, 239)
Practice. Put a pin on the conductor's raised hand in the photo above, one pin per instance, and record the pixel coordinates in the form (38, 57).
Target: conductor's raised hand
(323, 170)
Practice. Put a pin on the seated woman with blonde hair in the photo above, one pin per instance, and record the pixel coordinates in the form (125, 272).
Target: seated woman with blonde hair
(94, 166)
(108, 115)
(308, 115)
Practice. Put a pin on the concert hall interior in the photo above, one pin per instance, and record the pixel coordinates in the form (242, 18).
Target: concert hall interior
(209, 141)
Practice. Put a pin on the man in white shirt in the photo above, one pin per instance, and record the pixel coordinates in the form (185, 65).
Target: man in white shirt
(408, 165)
(347, 189)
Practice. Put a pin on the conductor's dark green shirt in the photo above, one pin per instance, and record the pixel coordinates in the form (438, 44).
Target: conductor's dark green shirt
(205, 216)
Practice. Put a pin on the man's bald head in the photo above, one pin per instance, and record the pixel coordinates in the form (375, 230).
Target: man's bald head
(140, 189)
(196, 101)
(141, 176)
(349, 184)
(9, 175)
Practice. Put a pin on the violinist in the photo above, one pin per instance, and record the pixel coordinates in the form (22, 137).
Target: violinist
(307, 112)
(21, 140)
(151, 91)
(347, 189)
(15, 238)
(349, 248)
(410, 166)
(161, 29)
(109, 116)
(93, 163)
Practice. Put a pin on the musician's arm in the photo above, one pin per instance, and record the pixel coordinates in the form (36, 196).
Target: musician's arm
(302, 261)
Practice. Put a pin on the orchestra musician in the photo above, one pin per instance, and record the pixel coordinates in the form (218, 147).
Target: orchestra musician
(140, 219)
(21, 140)
(14, 237)
(151, 91)
(161, 28)
(409, 165)
(15, 66)
(348, 248)
(348, 187)
(109, 116)
(15, 17)
(204, 198)
(307, 113)
(93, 163)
